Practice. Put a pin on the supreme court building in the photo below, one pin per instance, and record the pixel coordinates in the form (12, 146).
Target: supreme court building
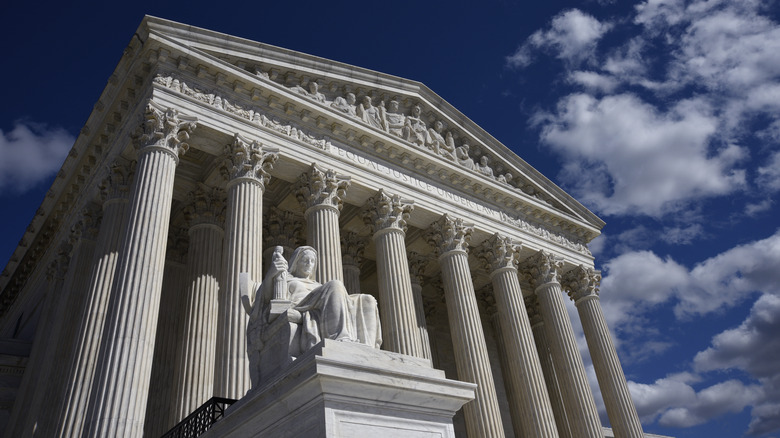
(121, 312)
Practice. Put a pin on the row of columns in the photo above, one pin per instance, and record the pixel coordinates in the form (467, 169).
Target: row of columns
(109, 373)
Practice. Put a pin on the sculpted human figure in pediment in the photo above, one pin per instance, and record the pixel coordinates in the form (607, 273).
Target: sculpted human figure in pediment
(393, 119)
(369, 113)
(484, 166)
(462, 154)
(442, 146)
(416, 130)
(346, 104)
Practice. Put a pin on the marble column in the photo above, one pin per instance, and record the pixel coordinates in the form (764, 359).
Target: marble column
(532, 408)
(450, 238)
(582, 285)
(161, 413)
(320, 194)
(386, 215)
(22, 421)
(543, 269)
(487, 302)
(119, 396)
(197, 352)
(81, 368)
(546, 361)
(417, 264)
(247, 167)
(61, 341)
(352, 247)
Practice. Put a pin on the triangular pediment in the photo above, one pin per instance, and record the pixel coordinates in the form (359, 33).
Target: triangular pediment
(387, 115)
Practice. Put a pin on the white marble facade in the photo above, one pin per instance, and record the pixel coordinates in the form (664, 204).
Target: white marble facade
(208, 157)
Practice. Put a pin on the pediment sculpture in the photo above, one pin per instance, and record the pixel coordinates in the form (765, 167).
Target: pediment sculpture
(292, 312)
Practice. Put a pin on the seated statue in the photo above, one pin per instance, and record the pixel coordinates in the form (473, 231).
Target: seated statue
(292, 313)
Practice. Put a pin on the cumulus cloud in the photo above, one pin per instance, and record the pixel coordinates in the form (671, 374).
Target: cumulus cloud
(638, 282)
(30, 154)
(572, 37)
(753, 348)
(624, 156)
(769, 175)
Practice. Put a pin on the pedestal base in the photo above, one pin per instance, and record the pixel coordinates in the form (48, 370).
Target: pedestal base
(340, 389)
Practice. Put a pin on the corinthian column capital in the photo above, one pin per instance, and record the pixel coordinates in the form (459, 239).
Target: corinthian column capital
(417, 265)
(498, 252)
(541, 268)
(165, 129)
(581, 282)
(317, 187)
(352, 248)
(449, 234)
(117, 183)
(206, 206)
(384, 211)
(249, 160)
(532, 307)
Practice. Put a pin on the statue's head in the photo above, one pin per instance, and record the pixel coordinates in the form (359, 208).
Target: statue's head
(303, 262)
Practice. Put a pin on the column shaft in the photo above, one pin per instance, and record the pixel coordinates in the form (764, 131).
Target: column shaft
(161, 412)
(195, 374)
(614, 389)
(400, 331)
(551, 380)
(119, 397)
(577, 396)
(81, 370)
(243, 253)
(525, 373)
(323, 234)
(483, 418)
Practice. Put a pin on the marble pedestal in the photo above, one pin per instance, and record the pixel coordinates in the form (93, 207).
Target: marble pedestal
(340, 389)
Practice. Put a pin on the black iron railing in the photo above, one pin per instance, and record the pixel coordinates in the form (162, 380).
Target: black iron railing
(198, 422)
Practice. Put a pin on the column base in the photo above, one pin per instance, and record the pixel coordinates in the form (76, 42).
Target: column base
(340, 389)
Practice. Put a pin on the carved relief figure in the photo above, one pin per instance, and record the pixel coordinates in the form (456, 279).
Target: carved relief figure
(442, 146)
(322, 310)
(346, 105)
(462, 154)
(369, 113)
(312, 93)
(484, 166)
(415, 130)
(393, 119)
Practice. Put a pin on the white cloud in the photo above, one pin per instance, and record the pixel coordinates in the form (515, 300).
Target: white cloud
(730, 396)
(593, 81)
(652, 400)
(759, 207)
(30, 154)
(572, 37)
(752, 347)
(769, 175)
(682, 235)
(638, 282)
(624, 156)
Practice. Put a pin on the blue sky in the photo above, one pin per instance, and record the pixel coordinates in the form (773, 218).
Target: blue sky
(663, 117)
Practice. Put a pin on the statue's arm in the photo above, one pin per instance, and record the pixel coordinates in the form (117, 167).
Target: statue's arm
(245, 287)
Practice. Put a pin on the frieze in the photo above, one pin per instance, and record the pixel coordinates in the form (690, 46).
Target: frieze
(347, 105)
(411, 128)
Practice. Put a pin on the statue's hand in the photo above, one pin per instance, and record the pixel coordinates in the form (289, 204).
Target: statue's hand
(278, 266)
